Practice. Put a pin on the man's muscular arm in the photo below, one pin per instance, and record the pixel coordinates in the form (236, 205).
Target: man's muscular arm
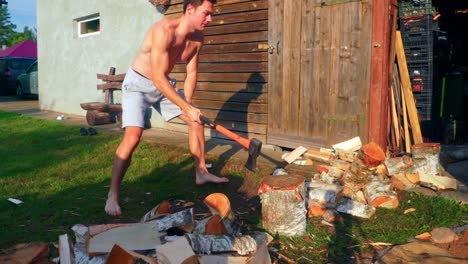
(191, 78)
(161, 40)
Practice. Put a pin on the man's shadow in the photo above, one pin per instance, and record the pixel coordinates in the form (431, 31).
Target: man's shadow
(233, 115)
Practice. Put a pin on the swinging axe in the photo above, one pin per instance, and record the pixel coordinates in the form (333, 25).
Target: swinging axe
(254, 146)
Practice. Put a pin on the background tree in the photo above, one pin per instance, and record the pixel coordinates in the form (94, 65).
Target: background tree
(7, 29)
(27, 33)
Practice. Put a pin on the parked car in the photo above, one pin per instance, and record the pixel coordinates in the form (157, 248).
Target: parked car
(27, 83)
(10, 69)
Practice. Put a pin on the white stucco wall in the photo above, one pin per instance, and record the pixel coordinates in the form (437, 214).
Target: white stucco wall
(68, 64)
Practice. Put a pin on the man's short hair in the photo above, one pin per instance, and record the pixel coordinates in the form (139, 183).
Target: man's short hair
(196, 3)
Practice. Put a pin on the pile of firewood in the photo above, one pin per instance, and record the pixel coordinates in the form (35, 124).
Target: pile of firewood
(164, 236)
(355, 179)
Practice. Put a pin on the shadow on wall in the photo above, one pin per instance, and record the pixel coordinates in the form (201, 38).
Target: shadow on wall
(236, 110)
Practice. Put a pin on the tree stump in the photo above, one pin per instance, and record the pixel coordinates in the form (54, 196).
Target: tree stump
(283, 204)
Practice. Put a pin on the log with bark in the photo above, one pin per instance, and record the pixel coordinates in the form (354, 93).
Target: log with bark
(283, 204)
(398, 164)
(208, 244)
(380, 194)
(351, 207)
(260, 256)
(162, 209)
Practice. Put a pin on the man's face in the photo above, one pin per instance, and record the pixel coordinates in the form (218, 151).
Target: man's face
(202, 15)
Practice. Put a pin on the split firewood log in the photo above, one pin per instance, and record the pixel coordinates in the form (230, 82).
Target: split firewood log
(324, 194)
(34, 252)
(318, 156)
(438, 182)
(380, 194)
(398, 164)
(120, 255)
(351, 207)
(401, 182)
(208, 244)
(179, 219)
(163, 208)
(66, 250)
(211, 225)
(315, 208)
(219, 204)
(332, 171)
(260, 256)
(137, 236)
(283, 204)
(372, 154)
(175, 252)
(422, 150)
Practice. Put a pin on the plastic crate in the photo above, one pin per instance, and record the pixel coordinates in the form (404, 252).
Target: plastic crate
(422, 70)
(418, 39)
(418, 54)
(415, 8)
(417, 24)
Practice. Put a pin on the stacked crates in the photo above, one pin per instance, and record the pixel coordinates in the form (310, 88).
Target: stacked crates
(417, 27)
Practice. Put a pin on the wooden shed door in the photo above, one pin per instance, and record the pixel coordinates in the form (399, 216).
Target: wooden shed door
(319, 64)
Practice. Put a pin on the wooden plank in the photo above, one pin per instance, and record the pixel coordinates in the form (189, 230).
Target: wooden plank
(234, 57)
(232, 18)
(405, 121)
(226, 77)
(229, 87)
(110, 85)
(241, 7)
(237, 28)
(406, 87)
(275, 73)
(233, 97)
(176, 6)
(235, 47)
(226, 67)
(236, 116)
(232, 106)
(236, 38)
(240, 17)
(111, 78)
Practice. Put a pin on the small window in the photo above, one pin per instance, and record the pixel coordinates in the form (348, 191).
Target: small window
(89, 25)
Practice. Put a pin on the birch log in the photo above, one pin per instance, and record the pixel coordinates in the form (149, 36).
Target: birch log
(208, 244)
(283, 204)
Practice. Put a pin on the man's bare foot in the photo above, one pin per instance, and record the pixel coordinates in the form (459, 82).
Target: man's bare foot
(203, 177)
(112, 206)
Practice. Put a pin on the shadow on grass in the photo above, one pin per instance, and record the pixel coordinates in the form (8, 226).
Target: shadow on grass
(44, 217)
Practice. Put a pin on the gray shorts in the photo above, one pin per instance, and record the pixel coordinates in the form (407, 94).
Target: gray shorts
(138, 94)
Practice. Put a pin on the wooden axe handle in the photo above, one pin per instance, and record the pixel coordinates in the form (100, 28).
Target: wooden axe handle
(244, 142)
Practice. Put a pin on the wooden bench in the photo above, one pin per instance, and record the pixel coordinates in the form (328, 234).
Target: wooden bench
(99, 113)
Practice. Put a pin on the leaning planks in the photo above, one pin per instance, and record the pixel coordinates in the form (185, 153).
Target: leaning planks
(406, 87)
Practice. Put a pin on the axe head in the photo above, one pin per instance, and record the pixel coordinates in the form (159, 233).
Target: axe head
(255, 148)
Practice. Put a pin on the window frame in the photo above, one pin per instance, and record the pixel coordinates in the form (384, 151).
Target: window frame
(82, 21)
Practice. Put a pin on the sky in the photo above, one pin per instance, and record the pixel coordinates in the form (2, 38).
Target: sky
(22, 13)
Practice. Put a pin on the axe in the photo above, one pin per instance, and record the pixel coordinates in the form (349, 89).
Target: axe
(254, 146)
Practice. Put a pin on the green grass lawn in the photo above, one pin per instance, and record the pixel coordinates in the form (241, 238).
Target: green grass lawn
(63, 179)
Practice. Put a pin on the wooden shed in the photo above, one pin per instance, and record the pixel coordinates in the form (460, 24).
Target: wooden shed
(302, 72)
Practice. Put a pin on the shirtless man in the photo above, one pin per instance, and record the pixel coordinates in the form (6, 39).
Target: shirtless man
(166, 42)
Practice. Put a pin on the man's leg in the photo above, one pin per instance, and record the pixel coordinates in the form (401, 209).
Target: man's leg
(122, 159)
(197, 147)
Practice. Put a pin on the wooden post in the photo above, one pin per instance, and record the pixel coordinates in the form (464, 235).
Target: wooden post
(283, 204)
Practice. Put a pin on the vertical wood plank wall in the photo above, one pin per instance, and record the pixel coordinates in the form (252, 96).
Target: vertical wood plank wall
(320, 76)
(233, 68)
